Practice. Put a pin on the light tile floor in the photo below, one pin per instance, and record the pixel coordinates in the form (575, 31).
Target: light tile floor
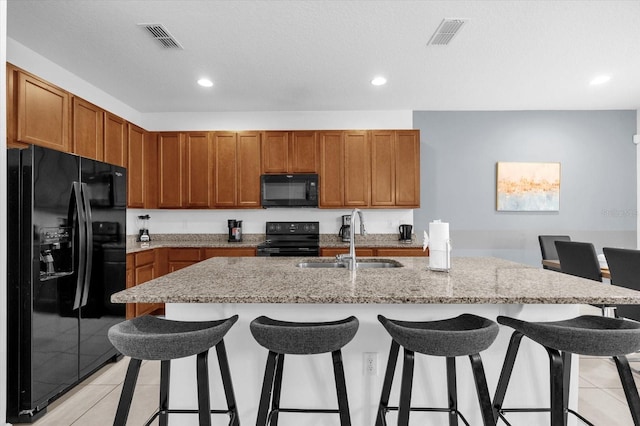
(601, 399)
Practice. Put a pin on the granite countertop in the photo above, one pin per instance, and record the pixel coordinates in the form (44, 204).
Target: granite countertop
(277, 280)
(252, 240)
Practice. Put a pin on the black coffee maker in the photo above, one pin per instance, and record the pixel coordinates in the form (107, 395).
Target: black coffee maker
(405, 233)
(235, 230)
(345, 229)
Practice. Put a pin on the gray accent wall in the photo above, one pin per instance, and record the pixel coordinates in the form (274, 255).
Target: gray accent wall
(459, 152)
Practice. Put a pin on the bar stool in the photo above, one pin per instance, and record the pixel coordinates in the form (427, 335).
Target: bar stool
(584, 335)
(464, 335)
(300, 338)
(151, 338)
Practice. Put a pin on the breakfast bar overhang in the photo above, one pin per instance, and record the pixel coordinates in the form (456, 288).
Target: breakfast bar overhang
(277, 287)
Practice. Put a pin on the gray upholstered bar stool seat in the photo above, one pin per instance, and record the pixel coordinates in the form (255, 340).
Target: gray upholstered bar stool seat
(464, 335)
(300, 338)
(152, 338)
(584, 335)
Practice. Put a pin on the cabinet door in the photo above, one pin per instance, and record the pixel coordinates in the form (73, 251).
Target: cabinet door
(331, 169)
(115, 140)
(407, 154)
(87, 127)
(43, 114)
(357, 171)
(303, 156)
(170, 173)
(136, 167)
(12, 107)
(225, 159)
(383, 168)
(150, 178)
(275, 152)
(197, 166)
(248, 171)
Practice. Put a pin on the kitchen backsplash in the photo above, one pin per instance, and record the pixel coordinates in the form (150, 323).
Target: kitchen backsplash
(253, 221)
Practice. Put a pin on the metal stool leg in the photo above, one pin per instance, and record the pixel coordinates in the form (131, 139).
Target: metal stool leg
(267, 389)
(341, 388)
(227, 383)
(557, 388)
(405, 391)
(127, 392)
(165, 369)
(482, 390)
(204, 405)
(629, 386)
(452, 390)
(388, 381)
(505, 374)
(277, 390)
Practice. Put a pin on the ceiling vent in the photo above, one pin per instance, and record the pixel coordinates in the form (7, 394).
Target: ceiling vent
(446, 32)
(160, 33)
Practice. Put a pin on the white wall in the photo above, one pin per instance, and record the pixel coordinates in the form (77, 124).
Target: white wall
(638, 180)
(3, 213)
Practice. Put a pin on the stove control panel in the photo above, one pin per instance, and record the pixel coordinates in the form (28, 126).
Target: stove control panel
(297, 228)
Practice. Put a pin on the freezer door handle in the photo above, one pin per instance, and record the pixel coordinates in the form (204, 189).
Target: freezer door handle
(77, 216)
(88, 243)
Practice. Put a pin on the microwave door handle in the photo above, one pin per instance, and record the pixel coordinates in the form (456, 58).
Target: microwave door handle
(76, 214)
(88, 244)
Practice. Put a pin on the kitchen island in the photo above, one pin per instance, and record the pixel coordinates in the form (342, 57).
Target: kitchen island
(276, 287)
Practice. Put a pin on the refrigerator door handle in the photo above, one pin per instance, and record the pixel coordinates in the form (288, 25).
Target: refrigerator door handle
(78, 211)
(88, 243)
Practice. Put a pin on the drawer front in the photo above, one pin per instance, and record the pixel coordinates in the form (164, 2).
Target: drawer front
(145, 257)
(185, 254)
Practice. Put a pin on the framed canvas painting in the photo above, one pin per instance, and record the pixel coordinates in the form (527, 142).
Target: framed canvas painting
(528, 187)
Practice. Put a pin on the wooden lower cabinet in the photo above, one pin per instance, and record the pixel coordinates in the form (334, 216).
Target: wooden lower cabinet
(182, 257)
(375, 251)
(143, 269)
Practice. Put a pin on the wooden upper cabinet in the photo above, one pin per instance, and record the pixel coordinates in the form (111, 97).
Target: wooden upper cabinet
(87, 134)
(289, 152)
(303, 156)
(275, 152)
(225, 159)
(357, 169)
(331, 169)
(115, 140)
(137, 165)
(248, 170)
(236, 165)
(12, 108)
(170, 173)
(383, 168)
(407, 154)
(197, 169)
(42, 113)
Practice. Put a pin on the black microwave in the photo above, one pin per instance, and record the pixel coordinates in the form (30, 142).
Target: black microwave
(291, 190)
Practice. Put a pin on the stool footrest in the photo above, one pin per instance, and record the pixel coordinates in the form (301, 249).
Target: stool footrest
(540, 410)
(306, 410)
(186, 411)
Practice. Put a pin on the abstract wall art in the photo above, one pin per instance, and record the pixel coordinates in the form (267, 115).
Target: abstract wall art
(527, 186)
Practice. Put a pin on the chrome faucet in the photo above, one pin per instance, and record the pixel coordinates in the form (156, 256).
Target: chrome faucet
(351, 257)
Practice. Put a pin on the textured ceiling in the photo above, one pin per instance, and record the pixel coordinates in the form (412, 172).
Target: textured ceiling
(321, 55)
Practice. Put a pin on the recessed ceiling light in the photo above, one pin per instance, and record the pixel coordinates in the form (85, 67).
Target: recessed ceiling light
(379, 81)
(205, 82)
(601, 79)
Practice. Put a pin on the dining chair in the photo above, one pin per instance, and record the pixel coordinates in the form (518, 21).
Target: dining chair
(579, 259)
(548, 247)
(624, 267)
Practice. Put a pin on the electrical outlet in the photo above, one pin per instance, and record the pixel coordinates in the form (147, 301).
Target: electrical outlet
(370, 363)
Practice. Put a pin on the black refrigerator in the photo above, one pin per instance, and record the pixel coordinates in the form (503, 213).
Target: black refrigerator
(66, 256)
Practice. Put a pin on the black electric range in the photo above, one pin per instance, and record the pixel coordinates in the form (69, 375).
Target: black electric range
(291, 239)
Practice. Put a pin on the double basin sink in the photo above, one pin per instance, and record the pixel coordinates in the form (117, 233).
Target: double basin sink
(360, 264)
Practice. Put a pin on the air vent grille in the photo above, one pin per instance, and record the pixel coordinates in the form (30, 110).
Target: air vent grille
(162, 36)
(446, 31)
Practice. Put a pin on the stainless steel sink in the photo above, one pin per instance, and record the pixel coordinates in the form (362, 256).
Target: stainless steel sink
(362, 264)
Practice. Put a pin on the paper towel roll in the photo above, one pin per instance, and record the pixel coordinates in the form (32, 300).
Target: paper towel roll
(439, 246)
(438, 235)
